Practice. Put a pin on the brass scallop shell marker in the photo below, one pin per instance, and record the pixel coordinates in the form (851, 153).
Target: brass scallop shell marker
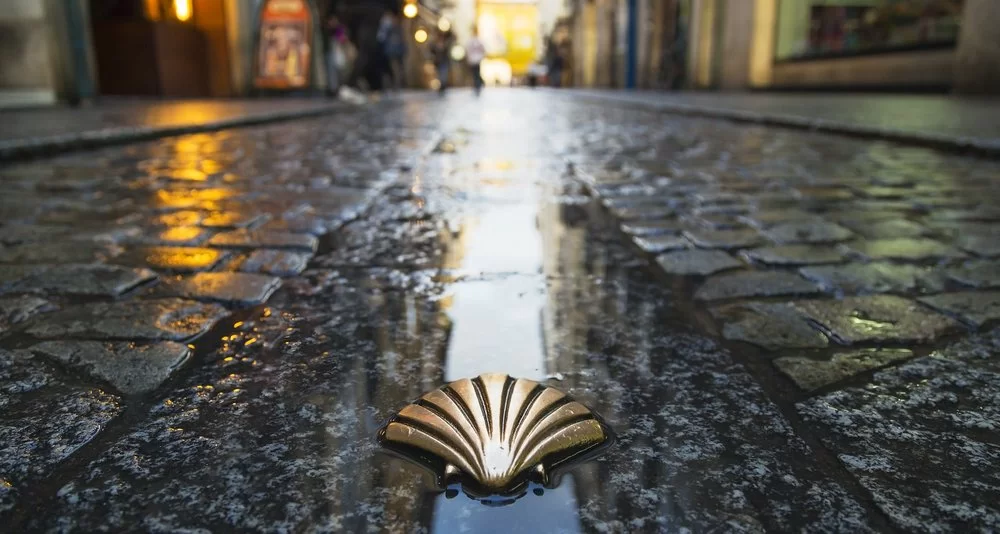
(494, 433)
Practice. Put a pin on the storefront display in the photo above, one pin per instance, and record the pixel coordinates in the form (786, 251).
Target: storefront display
(825, 28)
(284, 45)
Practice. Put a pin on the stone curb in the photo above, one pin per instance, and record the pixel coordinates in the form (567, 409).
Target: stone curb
(39, 147)
(982, 146)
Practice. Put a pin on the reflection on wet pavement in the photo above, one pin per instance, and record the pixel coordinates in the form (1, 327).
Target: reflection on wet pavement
(454, 237)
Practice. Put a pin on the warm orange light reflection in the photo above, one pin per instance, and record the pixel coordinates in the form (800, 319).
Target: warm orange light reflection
(182, 8)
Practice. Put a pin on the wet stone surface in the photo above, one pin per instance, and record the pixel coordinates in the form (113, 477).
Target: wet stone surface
(82, 279)
(697, 262)
(921, 437)
(453, 236)
(882, 318)
(811, 374)
(975, 308)
(158, 319)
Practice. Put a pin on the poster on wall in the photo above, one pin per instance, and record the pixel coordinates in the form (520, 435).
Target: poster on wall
(284, 45)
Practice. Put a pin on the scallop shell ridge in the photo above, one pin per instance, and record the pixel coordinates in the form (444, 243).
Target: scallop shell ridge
(495, 431)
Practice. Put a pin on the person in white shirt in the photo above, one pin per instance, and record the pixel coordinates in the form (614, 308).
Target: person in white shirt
(475, 53)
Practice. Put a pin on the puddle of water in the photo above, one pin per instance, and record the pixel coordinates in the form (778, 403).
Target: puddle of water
(553, 510)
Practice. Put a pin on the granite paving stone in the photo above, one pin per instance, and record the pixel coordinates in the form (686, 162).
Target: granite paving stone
(15, 310)
(59, 252)
(44, 419)
(174, 236)
(276, 262)
(723, 239)
(985, 246)
(976, 273)
(879, 277)
(177, 218)
(877, 319)
(642, 212)
(793, 255)
(233, 219)
(919, 438)
(170, 319)
(811, 374)
(773, 326)
(887, 229)
(913, 249)
(976, 308)
(696, 262)
(237, 289)
(264, 239)
(174, 259)
(96, 280)
(808, 232)
(755, 284)
(661, 243)
(651, 228)
(131, 369)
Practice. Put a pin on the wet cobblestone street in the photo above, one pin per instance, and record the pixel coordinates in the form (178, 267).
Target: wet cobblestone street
(787, 331)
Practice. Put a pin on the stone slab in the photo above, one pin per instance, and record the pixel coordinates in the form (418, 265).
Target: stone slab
(974, 308)
(812, 374)
(873, 278)
(174, 259)
(696, 262)
(16, 310)
(794, 255)
(95, 280)
(723, 239)
(131, 369)
(661, 243)
(913, 249)
(797, 232)
(920, 437)
(746, 284)
(59, 252)
(979, 274)
(237, 289)
(264, 239)
(276, 262)
(168, 319)
(772, 326)
(877, 319)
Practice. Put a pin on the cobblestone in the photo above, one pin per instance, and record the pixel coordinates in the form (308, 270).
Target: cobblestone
(978, 274)
(869, 278)
(174, 259)
(276, 262)
(886, 229)
(15, 310)
(175, 236)
(905, 249)
(131, 369)
(812, 374)
(754, 284)
(975, 308)
(773, 326)
(264, 239)
(793, 255)
(808, 232)
(696, 262)
(986, 246)
(82, 279)
(237, 289)
(59, 251)
(877, 319)
(661, 243)
(159, 319)
(651, 228)
(724, 239)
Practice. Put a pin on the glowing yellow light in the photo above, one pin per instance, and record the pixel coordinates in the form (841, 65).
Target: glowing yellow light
(410, 11)
(458, 53)
(420, 35)
(183, 9)
(444, 24)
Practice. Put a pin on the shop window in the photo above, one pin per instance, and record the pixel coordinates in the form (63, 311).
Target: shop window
(832, 28)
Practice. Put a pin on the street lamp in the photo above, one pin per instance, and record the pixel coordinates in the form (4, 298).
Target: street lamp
(420, 35)
(444, 24)
(410, 11)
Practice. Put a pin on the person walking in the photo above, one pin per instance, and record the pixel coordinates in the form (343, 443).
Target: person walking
(475, 53)
(441, 55)
(337, 46)
(390, 38)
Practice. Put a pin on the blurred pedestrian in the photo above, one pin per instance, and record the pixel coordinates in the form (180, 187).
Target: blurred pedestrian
(555, 63)
(337, 46)
(441, 55)
(390, 38)
(475, 53)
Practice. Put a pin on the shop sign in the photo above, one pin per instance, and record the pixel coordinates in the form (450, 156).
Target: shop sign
(284, 45)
